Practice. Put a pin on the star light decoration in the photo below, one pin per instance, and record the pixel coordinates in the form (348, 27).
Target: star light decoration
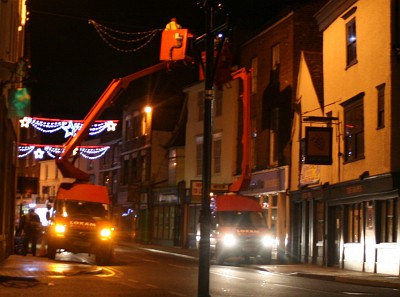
(70, 127)
(39, 150)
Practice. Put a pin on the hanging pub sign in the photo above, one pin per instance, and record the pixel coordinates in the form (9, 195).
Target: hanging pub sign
(318, 148)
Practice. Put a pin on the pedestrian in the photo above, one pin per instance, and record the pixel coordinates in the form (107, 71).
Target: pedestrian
(48, 213)
(31, 227)
(173, 25)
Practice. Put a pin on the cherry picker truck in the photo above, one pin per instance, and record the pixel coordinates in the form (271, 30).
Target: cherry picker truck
(81, 217)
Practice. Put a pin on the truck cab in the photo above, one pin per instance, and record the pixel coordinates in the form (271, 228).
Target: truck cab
(239, 229)
(81, 222)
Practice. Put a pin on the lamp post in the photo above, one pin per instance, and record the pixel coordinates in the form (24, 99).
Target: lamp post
(205, 213)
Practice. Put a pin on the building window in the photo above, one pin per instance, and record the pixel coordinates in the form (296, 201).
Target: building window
(125, 172)
(138, 126)
(273, 140)
(90, 164)
(199, 156)
(253, 159)
(275, 57)
(200, 105)
(351, 42)
(128, 128)
(217, 155)
(254, 67)
(354, 214)
(354, 128)
(217, 103)
(386, 220)
(381, 106)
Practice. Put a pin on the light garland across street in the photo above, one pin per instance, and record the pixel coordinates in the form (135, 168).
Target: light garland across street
(70, 127)
(91, 152)
(117, 39)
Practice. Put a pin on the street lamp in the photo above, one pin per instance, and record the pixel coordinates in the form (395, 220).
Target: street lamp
(148, 113)
(205, 213)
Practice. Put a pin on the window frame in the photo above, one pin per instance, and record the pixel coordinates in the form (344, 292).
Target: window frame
(380, 118)
(275, 56)
(217, 154)
(351, 43)
(386, 221)
(354, 138)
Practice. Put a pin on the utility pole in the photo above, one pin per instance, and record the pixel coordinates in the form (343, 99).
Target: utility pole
(205, 213)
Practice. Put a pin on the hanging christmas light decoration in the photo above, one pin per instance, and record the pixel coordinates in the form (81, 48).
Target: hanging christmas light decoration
(88, 152)
(70, 127)
(121, 40)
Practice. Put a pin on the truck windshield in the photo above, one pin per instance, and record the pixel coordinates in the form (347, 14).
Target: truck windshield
(241, 219)
(72, 208)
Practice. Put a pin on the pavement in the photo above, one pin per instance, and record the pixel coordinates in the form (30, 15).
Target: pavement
(29, 267)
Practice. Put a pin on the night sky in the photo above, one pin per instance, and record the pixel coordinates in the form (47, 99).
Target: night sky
(72, 65)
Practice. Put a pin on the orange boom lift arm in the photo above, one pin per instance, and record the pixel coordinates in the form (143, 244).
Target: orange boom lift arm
(169, 52)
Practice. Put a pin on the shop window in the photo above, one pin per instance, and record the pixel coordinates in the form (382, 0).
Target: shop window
(386, 220)
(320, 220)
(163, 222)
(354, 215)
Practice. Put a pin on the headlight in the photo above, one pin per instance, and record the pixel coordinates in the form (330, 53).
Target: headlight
(59, 229)
(267, 240)
(229, 240)
(106, 233)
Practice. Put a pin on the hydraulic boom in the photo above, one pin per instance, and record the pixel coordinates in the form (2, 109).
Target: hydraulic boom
(114, 89)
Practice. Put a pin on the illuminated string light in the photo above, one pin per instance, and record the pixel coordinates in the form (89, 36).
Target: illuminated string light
(93, 153)
(70, 127)
(39, 150)
(114, 37)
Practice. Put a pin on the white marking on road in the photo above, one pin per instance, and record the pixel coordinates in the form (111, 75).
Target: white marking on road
(110, 272)
(357, 293)
(228, 276)
(168, 253)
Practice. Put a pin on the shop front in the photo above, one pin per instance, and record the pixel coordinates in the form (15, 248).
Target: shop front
(166, 217)
(271, 186)
(352, 225)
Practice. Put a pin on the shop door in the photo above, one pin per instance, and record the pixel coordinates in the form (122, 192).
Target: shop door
(296, 231)
(334, 235)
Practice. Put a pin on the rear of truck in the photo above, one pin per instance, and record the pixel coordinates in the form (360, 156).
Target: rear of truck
(81, 223)
(239, 229)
